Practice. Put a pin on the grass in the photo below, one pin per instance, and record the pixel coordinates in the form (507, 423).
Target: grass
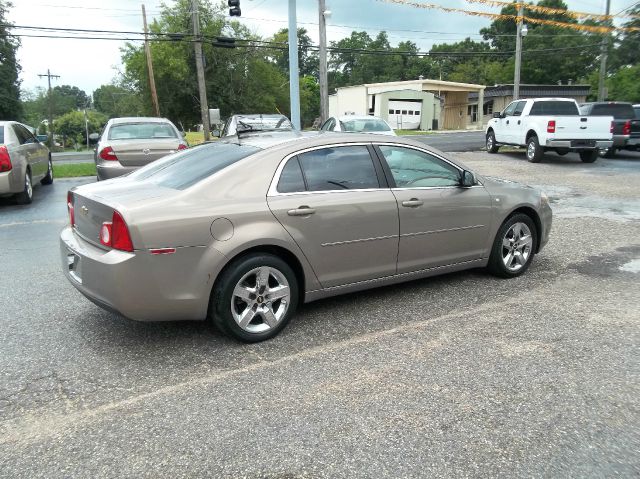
(71, 170)
(194, 137)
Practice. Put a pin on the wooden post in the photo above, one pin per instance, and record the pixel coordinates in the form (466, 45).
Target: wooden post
(152, 80)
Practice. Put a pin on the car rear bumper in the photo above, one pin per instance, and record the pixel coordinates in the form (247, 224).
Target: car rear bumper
(113, 170)
(576, 144)
(139, 285)
(11, 182)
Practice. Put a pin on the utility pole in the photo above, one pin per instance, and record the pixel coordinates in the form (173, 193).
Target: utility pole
(516, 75)
(294, 82)
(324, 87)
(50, 95)
(202, 87)
(604, 47)
(152, 79)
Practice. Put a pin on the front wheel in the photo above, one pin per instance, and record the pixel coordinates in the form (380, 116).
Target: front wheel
(492, 146)
(589, 156)
(48, 179)
(254, 298)
(534, 151)
(514, 247)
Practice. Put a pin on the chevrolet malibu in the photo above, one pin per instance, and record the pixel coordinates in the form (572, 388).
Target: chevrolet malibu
(241, 231)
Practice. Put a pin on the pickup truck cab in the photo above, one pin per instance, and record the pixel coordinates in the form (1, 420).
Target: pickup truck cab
(626, 127)
(543, 124)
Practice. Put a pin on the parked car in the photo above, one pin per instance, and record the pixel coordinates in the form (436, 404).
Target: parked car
(358, 124)
(126, 144)
(626, 127)
(636, 109)
(23, 161)
(543, 124)
(241, 231)
(255, 122)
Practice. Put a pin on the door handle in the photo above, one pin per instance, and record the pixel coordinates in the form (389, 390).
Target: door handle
(301, 211)
(518, 122)
(507, 122)
(413, 203)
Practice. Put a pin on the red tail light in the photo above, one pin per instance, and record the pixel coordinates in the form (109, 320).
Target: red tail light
(551, 126)
(115, 233)
(182, 146)
(108, 154)
(626, 128)
(611, 127)
(72, 217)
(5, 159)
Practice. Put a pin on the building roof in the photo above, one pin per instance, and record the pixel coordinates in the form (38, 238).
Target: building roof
(530, 90)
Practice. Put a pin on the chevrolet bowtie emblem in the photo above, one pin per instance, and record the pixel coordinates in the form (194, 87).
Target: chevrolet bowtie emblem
(85, 210)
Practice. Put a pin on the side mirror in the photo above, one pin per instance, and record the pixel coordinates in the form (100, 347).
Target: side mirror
(497, 114)
(468, 179)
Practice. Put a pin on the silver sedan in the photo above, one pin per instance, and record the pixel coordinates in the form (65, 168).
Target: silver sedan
(242, 231)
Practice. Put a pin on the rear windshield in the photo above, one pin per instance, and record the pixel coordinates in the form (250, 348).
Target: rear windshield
(1, 134)
(364, 125)
(186, 168)
(619, 111)
(554, 108)
(263, 123)
(637, 110)
(141, 131)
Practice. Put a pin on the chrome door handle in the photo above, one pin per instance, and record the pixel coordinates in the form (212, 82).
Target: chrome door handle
(413, 203)
(301, 211)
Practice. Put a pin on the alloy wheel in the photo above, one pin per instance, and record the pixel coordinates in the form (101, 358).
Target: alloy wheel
(260, 299)
(489, 142)
(517, 245)
(28, 186)
(531, 150)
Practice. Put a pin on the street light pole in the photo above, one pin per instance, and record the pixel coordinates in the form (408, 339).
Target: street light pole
(294, 82)
(202, 86)
(516, 75)
(603, 60)
(322, 73)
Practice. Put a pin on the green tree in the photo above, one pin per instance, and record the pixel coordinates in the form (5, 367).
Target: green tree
(623, 85)
(72, 124)
(307, 57)
(628, 43)
(117, 101)
(71, 95)
(10, 105)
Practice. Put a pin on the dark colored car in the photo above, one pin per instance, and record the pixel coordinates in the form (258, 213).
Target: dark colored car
(626, 129)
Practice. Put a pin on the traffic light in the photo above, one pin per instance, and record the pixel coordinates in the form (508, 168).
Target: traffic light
(234, 8)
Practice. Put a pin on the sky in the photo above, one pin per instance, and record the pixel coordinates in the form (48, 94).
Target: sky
(88, 64)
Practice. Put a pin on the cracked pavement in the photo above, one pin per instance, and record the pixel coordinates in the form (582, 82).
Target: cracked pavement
(460, 375)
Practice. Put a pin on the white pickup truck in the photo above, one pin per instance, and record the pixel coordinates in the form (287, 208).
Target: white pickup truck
(543, 124)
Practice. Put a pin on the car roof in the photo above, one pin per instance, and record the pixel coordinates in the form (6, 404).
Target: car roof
(359, 117)
(606, 103)
(260, 115)
(138, 119)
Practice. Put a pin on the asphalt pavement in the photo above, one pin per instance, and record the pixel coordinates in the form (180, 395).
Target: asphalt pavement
(453, 141)
(72, 157)
(457, 376)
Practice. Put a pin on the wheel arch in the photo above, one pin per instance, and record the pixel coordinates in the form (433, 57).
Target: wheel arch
(535, 217)
(531, 133)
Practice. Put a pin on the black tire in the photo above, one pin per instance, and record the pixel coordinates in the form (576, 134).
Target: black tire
(496, 263)
(490, 143)
(220, 306)
(48, 179)
(609, 153)
(589, 156)
(26, 197)
(534, 152)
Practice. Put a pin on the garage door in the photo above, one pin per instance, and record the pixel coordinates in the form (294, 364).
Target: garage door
(405, 115)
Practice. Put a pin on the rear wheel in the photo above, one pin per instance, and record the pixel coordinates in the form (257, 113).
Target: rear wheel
(514, 247)
(589, 156)
(26, 196)
(492, 146)
(254, 298)
(534, 151)
(48, 179)
(609, 152)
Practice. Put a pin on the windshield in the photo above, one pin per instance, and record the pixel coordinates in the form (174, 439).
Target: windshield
(620, 111)
(263, 123)
(372, 124)
(186, 168)
(141, 131)
(554, 108)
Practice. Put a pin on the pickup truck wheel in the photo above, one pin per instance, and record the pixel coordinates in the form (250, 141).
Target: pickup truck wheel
(589, 156)
(609, 152)
(534, 151)
(492, 146)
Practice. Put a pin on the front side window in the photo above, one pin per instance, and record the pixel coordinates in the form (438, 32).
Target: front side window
(509, 110)
(519, 108)
(414, 169)
(339, 168)
(141, 131)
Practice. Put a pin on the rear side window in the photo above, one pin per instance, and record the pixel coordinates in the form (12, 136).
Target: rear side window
(541, 108)
(339, 168)
(141, 131)
(1, 134)
(186, 168)
(291, 180)
(616, 110)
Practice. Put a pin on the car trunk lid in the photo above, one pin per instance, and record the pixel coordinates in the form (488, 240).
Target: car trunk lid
(582, 128)
(142, 152)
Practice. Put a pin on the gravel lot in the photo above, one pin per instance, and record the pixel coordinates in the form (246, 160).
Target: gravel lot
(462, 375)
